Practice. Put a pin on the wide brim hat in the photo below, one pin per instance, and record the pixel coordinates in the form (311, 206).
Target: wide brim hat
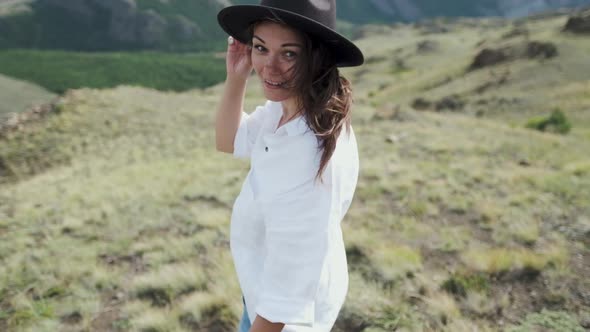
(317, 18)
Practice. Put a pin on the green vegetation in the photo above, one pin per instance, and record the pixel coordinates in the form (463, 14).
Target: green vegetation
(557, 122)
(58, 71)
(460, 284)
(547, 319)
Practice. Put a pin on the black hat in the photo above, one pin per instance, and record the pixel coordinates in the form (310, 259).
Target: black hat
(314, 17)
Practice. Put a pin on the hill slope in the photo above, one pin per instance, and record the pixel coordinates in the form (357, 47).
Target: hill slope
(18, 95)
(463, 219)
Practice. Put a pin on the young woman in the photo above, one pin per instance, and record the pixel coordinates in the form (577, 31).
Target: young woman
(285, 234)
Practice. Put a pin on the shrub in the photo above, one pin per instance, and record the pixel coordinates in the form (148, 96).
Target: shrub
(461, 284)
(557, 122)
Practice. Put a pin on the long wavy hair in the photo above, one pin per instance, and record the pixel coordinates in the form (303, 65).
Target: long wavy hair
(324, 96)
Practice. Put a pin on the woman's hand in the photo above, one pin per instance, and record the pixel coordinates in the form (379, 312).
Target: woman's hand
(238, 60)
(260, 324)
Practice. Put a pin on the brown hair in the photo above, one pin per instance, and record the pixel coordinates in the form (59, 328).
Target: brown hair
(324, 95)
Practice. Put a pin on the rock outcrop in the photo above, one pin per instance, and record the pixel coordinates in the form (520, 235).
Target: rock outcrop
(579, 23)
(124, 17)
(12, 122)
(183, 28)
(449, 103)
(530, 50)
(150, 27)
(427, 46)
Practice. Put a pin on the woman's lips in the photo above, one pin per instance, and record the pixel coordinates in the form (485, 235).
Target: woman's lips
(273, 85)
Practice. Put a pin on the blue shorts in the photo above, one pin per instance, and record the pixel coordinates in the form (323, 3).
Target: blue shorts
(245, 322)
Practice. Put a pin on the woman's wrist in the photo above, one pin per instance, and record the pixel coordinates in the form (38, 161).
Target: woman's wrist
(235, 84)
(236, 79)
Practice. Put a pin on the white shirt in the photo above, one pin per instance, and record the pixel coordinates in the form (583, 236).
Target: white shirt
(285, 234)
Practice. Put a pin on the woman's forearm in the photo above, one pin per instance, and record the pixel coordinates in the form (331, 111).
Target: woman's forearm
(229, 113)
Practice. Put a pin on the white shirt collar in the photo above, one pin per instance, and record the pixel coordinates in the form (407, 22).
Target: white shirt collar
(297, 126)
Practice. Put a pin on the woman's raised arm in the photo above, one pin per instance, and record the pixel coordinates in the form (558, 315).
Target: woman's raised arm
(239, 67)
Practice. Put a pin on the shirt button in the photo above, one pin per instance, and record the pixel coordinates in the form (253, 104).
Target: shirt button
(266, 149)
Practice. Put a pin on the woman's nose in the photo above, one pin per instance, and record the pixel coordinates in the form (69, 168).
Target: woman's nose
(272, 61)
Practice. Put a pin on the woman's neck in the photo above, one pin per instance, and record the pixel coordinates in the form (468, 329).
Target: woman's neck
(289, 111)
(289, 108)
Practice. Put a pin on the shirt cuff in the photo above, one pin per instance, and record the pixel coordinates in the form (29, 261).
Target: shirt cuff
(286, 311)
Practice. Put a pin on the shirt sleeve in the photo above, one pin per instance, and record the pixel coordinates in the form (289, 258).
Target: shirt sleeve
(297, 241)
(248, 131)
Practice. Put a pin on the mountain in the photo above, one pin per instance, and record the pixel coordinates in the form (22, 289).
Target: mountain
(188, 25)
(96, 25)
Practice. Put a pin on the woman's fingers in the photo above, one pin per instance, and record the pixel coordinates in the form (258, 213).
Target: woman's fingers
(238, 57)
(235, 45)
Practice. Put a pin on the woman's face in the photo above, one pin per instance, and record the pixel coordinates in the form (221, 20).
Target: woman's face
(275, 49)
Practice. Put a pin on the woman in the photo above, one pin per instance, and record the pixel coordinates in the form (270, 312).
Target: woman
(286, 239)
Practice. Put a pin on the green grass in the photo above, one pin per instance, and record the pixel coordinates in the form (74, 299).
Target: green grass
(461, 284)
(58, 71)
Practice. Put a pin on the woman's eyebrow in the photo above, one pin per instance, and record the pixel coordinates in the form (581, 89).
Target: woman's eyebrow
(284, 45)
(291, 44)
(255, 36)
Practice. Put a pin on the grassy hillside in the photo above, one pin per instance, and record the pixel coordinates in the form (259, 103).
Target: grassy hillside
(114, 210)
(58, 71)
(19, 95)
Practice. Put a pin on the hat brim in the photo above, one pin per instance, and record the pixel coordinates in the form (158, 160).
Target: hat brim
(236, 20)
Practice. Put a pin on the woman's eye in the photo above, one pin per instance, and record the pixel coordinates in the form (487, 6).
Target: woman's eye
(259, 48)
(290, 55)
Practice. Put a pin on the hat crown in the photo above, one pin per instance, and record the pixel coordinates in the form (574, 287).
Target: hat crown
(321, 11)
